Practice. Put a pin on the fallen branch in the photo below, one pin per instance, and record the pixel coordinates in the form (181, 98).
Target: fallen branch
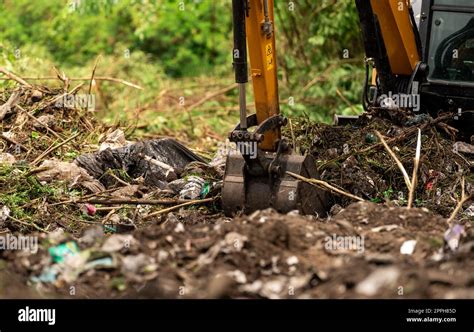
(397, 161)
(135, 201)
(11, 141)
(414, 178)
(325, 185)
(14, 77)
(97, 78)
(197, 201)
(464, 199)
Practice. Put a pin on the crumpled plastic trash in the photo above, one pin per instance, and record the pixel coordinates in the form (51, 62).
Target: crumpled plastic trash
(194, 188)
(158, 161)
(61, 252)
(114, 140)
(453, 235)
(72, 174)
(463, 147)
(4, 213)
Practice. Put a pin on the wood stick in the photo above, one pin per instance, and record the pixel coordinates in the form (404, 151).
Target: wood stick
(414, 178)
(397, 161)
(97, 78)
(133, 201)
(11, 141)
(197, 201)
(14, 77)
(32, 117)
(93, 74)
(464, 199)
(326, 185)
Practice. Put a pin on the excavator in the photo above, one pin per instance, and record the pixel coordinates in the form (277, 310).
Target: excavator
(419, 58)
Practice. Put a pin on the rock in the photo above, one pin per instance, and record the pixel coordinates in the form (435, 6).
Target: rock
(117, 242)
(377, 280)
(92, 235)
(408, 247)
(47, 120)
(7, 159)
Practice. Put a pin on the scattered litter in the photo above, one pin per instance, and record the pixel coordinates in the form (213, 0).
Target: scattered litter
(73, 175)
(453, 235)
(4, 213)
(408, 247)
(101, 263)
(157, 161)
(114, 140)
(463, 147)
(193, 188)
(63, 251)
(117, 242)
(89, 209)
(381, 278)
(91, 235)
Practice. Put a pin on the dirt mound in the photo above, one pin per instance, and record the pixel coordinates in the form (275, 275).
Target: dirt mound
(353, 158)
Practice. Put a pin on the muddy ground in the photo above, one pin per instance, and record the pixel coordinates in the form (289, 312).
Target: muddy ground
(372, 249)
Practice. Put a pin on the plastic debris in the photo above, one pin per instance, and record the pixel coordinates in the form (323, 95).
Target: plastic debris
(193, 188)
(453, 235)
(64, 250)
(73, 175)
(377, 280)
(89, 209)
(463, 147)
(117, 242)
(48, 275)
(157, 161)
(4, 213)
(408, 247)
(114, 140)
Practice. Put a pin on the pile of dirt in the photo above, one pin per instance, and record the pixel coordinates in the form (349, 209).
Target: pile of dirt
(353, 158)
(393, 252)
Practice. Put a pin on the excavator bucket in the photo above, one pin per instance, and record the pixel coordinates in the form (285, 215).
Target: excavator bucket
(245, 193)
(260, 180)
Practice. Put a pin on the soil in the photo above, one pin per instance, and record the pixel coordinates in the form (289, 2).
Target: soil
(196, 252)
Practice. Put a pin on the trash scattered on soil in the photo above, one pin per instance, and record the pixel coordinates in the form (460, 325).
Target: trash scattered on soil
(119, 217)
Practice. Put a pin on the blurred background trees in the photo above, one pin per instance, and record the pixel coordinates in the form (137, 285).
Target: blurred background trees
(176, 49)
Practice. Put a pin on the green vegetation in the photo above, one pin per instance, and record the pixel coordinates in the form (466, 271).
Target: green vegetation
(180, 51)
